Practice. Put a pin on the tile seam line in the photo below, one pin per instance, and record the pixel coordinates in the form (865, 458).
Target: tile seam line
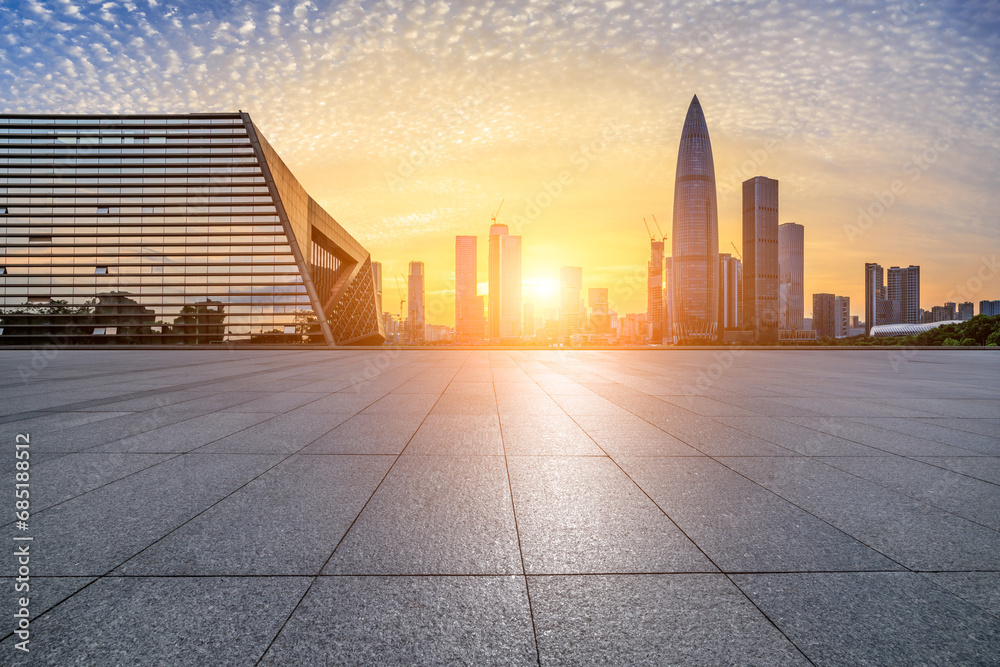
(513, 508)
(385, 476)
(682, 531)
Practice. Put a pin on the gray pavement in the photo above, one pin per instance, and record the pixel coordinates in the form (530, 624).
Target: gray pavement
(700, 507)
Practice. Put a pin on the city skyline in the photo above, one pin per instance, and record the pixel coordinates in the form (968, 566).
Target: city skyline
(419, 120)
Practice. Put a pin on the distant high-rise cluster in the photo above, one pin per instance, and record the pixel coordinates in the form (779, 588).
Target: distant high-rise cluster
(697, 294)
(892, 301)
(415, 303)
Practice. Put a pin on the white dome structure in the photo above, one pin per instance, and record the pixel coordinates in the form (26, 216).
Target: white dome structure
(888, 330)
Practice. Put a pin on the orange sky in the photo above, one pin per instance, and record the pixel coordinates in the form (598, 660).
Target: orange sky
(410, 122)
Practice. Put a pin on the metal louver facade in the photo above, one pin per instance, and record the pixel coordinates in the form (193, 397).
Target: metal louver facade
(159, 229)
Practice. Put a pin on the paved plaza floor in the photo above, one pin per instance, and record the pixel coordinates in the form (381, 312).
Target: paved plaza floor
(704, 507)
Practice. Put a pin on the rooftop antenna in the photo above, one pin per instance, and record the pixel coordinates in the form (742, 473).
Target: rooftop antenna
(494, 218)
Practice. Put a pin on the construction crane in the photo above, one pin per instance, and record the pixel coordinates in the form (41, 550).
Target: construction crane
(651, 237)
(402, 298)
(663, 237)
(494, 218)
(738, 253)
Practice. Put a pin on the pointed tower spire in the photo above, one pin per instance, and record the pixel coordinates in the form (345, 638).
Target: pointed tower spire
(695, 242)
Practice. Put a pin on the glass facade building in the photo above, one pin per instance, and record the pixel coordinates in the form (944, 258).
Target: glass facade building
(695, 250)
(791, 272)
(185, 229)
(760, 259)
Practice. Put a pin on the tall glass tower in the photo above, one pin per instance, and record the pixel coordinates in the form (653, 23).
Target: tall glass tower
(695, 284)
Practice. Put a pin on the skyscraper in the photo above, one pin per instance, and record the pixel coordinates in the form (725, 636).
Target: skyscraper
(415, 303)
(903, 290)
(874, 293)
(760, 258)
(528, 319)
(654, 290)
(831, 315)
(504, 301)
(730, 271)
(570, 284)
(791, 272)
(668, 274)
(497, 232)
(510, 288)
(694, 284)
(469, 322)
(600, 320)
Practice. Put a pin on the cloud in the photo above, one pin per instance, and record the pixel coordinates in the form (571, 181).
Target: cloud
(497, 97)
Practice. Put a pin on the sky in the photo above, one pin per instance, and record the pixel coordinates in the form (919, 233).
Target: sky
(410, 122)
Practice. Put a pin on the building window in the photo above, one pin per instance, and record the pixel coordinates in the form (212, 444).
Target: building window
(3, 270)
(3, 210)
(35, 238)
(38, 300)
(101, 271)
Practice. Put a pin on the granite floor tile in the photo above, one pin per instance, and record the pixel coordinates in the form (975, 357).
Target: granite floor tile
(409, 621)
(92, 533)
(981, 589)
(664, 619)
(42, 593)
(368, 434)
(284, 433)
(57, 480)
(435, 515)
(449, 434)
(186, 435)
(164, 621)
(970, 498)
(287, 521)
(910, 532)
(986, 468)
(584, 515)
(546, 436)
(743, 527)
(874, 618)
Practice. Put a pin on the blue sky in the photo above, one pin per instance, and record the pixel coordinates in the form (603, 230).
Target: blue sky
(410, 121)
